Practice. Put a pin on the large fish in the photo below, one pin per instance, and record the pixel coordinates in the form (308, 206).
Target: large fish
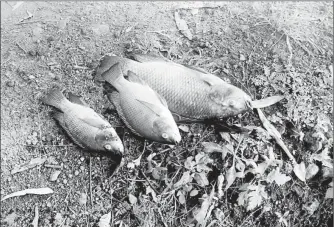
(142, 110)
(86, 128)
(190, 92)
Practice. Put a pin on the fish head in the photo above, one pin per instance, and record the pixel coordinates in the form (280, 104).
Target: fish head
(167, 130)
(109, 142)
(234, 101)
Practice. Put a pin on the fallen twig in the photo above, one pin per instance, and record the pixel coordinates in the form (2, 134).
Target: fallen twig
(36, 191)
(290, 50)
(53, 166)
(21, 48)
(148, 181)
(90, 181)
(274, 133)
(35, 221)
(35, 21)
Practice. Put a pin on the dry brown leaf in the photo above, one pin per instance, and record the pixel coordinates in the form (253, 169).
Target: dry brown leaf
(54, 175)
(266, 101)
(35, 191)
(300, 171)
(184, 128)
(182, 26)
(159, 173)
(10, 219)
(83, 199)
(31, 164)
(311, 171)
(132, 199)
(105, 220)
(201, 179)
(193, 193)
(201, 216)
(230, 176)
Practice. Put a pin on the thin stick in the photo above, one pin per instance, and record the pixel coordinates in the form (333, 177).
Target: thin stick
(90, 181)
(21, 48)
(290, 50)
(35, 21)
(148, 181)
(275, 134)
(35, 221)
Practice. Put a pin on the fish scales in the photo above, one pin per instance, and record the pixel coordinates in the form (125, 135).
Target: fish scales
(86, 128)
(141, 108)
(184, 89)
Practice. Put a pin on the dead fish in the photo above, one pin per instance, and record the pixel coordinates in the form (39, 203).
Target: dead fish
(189, 91)
(86, 128)
(143, 111)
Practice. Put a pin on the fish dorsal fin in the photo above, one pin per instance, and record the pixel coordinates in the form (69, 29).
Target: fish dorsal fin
(147, 58)
(196, 69)
(132, 77)
(211, 79)
(76, 99)
(151, 106)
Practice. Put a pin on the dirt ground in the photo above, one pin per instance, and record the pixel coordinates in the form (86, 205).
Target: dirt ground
(62, 45)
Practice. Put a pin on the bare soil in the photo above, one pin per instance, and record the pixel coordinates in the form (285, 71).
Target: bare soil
(62, 44)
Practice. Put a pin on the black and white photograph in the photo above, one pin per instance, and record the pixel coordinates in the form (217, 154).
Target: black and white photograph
(166, 113)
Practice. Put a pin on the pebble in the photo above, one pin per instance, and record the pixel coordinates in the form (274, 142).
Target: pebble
(76, 173)
(65, 181)
(10, 83)
(82, 159)
(54, 175)
(70, 175)
(82, 168)
(31, 77)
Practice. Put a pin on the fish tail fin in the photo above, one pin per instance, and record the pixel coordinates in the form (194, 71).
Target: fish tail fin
(113, 75)
(55, 98)
(104, 65)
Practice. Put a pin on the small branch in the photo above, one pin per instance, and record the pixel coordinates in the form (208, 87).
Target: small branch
(53, 166)
(148, 181)
(290, 50)
(35, 221)
(35, 21)
(90, 181)
(275, 134)
(21, 48)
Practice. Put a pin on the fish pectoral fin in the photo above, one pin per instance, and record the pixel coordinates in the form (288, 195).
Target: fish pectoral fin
(60, 117)
(147, 58)
(132, 77)
(94, 120)
(151, 106)
(76, 99)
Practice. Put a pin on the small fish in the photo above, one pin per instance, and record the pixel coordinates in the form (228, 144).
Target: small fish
(191, 93)
(142, 110)
(86, 128)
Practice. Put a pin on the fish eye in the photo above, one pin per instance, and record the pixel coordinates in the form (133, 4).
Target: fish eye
(164, 135)
(107, 147)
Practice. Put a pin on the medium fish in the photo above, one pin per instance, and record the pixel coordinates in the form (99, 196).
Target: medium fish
(142, 110)
(190, 92)
(86, 128)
